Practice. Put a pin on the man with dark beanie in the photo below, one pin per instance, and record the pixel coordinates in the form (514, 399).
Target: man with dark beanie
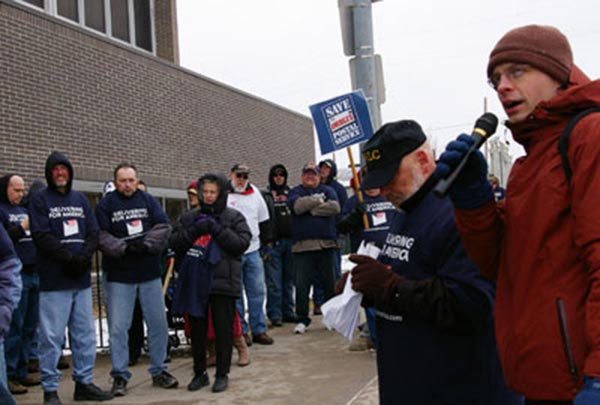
(541, 243)
(65, 233)
(277, 256)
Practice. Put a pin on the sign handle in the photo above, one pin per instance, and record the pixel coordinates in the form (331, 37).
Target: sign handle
(357, 183)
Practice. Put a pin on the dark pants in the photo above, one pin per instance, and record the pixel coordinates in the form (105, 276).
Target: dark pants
(136, 332)
(317, 264)
(223, 312)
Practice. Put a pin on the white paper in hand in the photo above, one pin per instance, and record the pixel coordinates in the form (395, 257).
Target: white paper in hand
(342, 311)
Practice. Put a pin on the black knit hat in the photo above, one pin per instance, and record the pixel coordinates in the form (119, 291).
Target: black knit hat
(540, 46)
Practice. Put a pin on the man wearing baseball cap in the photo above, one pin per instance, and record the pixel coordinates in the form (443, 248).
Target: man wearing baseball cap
(541, 243)
(434, 310)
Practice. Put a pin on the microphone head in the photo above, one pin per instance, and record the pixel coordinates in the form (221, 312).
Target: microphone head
(487, 124)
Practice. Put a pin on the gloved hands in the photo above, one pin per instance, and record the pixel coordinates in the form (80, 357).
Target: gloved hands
(590, 393)
(471, 189)
(206, 224)
(361, 208)
(78, 265)
(137, 247)
(375, 280)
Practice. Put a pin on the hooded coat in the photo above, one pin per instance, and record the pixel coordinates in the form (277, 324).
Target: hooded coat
(63, 226)
(232, 237)
(541, 245)
(276, 198)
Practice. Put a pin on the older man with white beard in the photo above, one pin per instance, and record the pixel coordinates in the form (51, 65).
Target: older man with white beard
(246, 198)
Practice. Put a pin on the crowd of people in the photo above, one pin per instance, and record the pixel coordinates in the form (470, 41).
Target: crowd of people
(488, 296)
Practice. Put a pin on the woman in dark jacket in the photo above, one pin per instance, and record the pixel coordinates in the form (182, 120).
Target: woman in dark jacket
(209, 242)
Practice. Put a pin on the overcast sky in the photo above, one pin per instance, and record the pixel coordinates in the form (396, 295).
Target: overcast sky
(434, 52)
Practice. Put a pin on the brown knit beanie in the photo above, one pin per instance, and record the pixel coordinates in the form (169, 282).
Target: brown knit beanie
(540, 46)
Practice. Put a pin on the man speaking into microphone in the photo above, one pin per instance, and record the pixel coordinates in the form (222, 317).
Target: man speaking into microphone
(434, 310)
(541, 242)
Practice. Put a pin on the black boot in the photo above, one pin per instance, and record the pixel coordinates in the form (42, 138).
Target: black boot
(51, 398)
(90, 392)
(199, 381)
(221, 382)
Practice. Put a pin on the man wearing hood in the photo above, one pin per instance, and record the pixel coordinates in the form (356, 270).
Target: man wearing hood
(65, 233)
(15, 219)
(541, 243)
(134, 231)
(277, 255)
(246, 198)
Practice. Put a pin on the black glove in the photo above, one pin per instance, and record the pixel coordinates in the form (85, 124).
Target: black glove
(204, 224)
(361, 208)
(77, 266)
(137, 247)
(375, 280)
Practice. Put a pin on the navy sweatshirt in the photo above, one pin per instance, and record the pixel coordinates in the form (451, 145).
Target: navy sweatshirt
(11, 217)
(437, 341)
(307, 226)
(130, 219)
(68, 219)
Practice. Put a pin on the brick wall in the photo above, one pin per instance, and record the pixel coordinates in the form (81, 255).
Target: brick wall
(64, 88)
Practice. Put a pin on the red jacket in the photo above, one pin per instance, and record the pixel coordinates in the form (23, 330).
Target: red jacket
(543, 244)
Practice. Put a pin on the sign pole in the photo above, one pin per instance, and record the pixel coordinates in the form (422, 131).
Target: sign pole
(357, 183)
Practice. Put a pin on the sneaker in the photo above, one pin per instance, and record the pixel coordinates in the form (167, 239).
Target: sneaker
(277, 322)
(51, 398)
(317, 311)
(30, 381)
(90, 392)
(221, 383)
(262, 339)
(119, 387)
(164, 380)
(300, 328)
(359, 344)
(16, 388)
(199, 381)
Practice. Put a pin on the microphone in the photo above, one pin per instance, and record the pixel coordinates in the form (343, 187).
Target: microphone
(485, 127)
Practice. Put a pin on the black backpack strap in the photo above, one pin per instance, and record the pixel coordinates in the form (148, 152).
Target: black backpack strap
(563, 142)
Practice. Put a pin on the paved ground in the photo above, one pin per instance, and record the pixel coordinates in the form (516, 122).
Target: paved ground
(315, 368)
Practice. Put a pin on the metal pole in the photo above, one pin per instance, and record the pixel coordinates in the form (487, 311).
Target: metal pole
(365, 58)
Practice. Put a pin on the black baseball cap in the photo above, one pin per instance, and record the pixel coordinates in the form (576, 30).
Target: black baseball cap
(240, 168)
(386, 149)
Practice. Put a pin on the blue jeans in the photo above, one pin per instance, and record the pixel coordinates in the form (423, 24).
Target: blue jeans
(309, 266)
(318, 298)
(22, 328)
(5, 396)
(59, 309)
(253, 281)
(120, 300)
(370, 314)
(280, 281)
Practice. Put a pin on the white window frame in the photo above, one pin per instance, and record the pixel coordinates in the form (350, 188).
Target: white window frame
(51, 8)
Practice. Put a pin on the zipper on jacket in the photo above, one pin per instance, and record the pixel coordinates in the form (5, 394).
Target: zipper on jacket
(566, 340)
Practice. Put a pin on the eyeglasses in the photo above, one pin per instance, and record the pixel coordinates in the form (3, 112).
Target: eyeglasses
(512, 73)
(241, 175)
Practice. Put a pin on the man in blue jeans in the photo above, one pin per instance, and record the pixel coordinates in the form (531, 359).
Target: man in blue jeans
(246, 198)
(134, 232)
(10, 292)
(314, 209)
(277, 256)
(15, 219)
(65, 233)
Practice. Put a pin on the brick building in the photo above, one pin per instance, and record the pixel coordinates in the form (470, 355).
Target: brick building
(99, 81)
